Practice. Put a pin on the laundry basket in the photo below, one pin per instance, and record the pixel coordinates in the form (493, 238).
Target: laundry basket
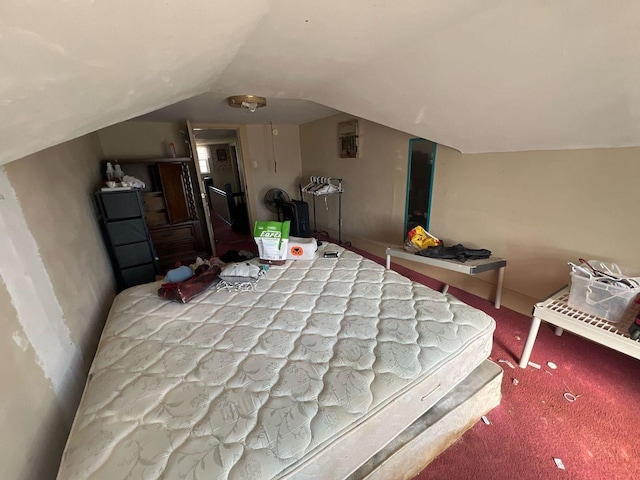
(600, 299)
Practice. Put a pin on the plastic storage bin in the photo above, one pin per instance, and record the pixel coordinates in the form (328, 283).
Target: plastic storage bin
(600, 299)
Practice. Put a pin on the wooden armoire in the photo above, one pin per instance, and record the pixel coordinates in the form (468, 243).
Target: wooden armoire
(173, 213)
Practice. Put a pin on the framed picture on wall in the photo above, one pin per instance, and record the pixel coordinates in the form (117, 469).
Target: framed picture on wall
(221, 154)
(348, 139)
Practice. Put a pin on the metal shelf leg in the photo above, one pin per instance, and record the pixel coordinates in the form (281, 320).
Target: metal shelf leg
(499, 287)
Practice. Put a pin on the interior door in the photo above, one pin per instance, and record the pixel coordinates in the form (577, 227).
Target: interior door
(201, 189)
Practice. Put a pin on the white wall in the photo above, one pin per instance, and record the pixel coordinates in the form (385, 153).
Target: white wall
(536, 209)
(373, 202)
(56, 285)
(541, 209)
(271, 161)
(143, 140)
(222, 172)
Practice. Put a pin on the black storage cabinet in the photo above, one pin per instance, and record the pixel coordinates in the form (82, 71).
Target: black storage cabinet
(122, 219)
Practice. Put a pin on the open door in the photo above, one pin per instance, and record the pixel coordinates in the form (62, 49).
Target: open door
(203, 193)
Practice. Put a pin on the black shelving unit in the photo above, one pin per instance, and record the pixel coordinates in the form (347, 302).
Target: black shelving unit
(122, 219)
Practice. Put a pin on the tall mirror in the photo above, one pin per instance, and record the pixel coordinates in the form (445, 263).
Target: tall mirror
(422, 154)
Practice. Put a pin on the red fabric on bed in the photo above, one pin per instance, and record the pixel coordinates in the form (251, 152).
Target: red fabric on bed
(185, 291)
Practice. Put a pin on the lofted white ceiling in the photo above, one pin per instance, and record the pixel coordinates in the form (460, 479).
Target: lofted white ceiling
(482, 76)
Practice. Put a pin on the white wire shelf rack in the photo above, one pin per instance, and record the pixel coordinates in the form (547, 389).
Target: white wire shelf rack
(556, 311)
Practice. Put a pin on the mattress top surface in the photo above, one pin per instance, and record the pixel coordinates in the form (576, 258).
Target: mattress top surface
(246, 384)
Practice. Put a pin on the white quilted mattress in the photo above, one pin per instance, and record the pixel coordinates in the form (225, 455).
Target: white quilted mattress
(306, 377)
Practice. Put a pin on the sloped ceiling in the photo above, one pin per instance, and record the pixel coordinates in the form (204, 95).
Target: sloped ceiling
(476, 76)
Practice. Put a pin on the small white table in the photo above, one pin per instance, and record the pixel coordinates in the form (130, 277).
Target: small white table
(470, 267)
(556, 311)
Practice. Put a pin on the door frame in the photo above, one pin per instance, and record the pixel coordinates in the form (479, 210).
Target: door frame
(244, 173)
(203, 195)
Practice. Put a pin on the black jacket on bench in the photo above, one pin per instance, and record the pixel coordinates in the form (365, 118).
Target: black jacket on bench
(457, 252)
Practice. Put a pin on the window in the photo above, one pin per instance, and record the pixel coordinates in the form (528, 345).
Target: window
(204, 154)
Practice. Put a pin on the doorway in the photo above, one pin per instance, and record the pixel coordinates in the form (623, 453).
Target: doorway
(218, 155)
(422, 156)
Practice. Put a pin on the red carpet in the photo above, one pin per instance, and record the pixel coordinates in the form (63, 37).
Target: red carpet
(595, 437)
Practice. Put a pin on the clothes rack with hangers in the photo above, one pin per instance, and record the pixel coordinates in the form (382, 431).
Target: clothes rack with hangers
(325, 186)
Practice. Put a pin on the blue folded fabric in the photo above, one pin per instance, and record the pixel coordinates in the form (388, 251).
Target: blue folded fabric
(179, 274)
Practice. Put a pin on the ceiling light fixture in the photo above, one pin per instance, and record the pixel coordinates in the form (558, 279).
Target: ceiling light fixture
(248, 102)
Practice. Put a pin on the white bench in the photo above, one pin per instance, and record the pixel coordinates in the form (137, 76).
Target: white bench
(470, 267)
